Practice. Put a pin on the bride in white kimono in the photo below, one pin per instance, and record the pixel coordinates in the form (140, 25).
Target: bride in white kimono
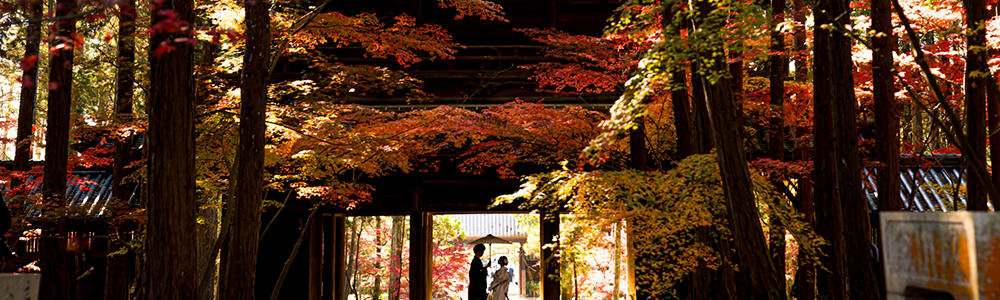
(501, 281)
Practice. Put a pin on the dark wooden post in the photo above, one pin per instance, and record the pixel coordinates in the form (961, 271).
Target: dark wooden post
(417, 7)
(315, 259)
(550, 13)
(329, 243)
(421, 230)
(550, 264)
(340, 257)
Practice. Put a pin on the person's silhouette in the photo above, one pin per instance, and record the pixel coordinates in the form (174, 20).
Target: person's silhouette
(477, 274)
(5, 251)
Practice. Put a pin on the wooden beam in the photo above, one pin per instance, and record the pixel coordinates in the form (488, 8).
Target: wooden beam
(549, 262)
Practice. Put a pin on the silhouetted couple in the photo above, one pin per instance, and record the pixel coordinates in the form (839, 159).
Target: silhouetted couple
(477, 277)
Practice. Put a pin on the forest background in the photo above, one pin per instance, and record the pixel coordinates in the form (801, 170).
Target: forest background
(694, 76)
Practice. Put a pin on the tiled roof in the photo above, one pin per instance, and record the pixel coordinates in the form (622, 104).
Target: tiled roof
(924, 188)
(88, 194)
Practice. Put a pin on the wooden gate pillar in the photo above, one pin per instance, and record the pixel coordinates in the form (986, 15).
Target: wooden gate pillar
(315, 258)
(550, 263)
(335, 248)
(421, 238)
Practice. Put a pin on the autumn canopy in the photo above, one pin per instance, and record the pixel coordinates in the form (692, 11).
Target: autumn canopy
(312, 149)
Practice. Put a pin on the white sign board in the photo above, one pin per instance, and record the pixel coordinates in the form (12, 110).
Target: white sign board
(956, 253)
(20, 286)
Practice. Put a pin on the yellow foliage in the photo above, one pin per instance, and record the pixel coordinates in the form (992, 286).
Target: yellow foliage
(676, 220)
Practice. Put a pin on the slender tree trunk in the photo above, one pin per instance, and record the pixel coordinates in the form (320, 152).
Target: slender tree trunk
(171, 256)
(124, 84)
(886, 108)
(682, 113)
(805, 277)
(25, 119)
(993, 109)
(56, 282)
(744, 220)
(245, 234)
(776, 146)
(210, 258)
(396, 271)
(208, 232)
(377, 287)
(916, 127)
(637, 145)
(352, 262)
(29, 90)
(679, 97)
(886, 119)
(778, 63)
(857, 228)
(702, 126)
(976, 74)
(829, 282)
(994, 133)
(736, 86)
(801, 64)
(116, 287)
(616, 288)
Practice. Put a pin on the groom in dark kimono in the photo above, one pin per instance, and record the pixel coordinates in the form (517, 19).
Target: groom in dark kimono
(477, 274)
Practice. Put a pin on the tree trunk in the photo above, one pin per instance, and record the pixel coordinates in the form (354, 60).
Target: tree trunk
(993, 106)
(886, 119)
(736, 87)
(857, 229)
(805, 277)
(56, 282)
(352, 262)
(116, 287)
(679, 97)
(208, 232)
(171, 258)
(976, 74)
(615, 286)
(682, 113)
(743, 217)
(29, 91)
(637, 145)
(702, 125)
(245, 232)
(993, 110)
(377, 287)
(829, 282)
(396, 257)
(776, 145)
(744, 220)
(886, 108)
(801, 67)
